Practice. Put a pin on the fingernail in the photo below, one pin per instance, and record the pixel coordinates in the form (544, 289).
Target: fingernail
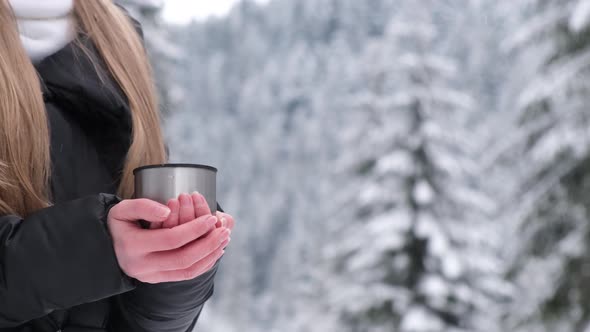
(223, 222)
(183, 198)
(211, 220)
(226, 241)
(224, 236)
(200, 198)
(163, 212)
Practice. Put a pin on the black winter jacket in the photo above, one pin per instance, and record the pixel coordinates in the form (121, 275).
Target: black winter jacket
(58, 269)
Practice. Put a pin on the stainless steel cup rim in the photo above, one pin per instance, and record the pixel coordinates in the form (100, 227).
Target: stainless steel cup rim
(211, 168)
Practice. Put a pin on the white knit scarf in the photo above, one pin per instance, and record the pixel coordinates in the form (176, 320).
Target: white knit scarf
(45, 26)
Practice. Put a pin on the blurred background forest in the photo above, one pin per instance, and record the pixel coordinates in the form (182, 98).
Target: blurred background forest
(393, 165)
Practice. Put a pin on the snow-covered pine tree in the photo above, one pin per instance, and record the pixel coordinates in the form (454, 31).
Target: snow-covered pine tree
(408, 258)
(163, 52)
(551, 155)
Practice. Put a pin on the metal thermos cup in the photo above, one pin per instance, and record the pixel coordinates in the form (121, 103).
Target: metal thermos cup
(163, 182)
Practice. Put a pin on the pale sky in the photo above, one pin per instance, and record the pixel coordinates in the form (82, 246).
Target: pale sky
(181, 11)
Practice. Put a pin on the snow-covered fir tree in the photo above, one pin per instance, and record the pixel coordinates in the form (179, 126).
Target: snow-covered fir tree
(550, 150)
(414, 255)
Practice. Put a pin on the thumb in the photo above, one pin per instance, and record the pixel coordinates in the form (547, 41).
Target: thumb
(140, 209)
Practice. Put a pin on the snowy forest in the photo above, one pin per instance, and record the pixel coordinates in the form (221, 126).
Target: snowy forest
(393, 165)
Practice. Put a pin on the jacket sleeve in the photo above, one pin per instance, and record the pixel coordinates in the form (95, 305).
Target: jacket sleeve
(163, 307)
(57, 258)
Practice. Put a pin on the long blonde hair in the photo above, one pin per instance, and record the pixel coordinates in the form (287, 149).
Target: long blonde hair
(24, 134)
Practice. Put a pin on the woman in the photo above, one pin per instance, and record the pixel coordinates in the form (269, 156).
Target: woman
(77, 114)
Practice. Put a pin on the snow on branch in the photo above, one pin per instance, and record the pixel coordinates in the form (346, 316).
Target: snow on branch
(580, 17)
(558, 77)
(535, 27)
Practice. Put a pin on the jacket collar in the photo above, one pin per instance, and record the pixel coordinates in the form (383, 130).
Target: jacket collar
(79, 80)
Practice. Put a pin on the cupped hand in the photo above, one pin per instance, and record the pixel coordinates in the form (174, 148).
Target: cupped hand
(182, 252)
(187, 207)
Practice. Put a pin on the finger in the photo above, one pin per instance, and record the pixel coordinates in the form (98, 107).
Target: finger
(200, 205)
(212, 264)
(172, 220)
(231, 222)
(185, 257)
(225, 243)
(217, 256)
(140, 209)
(169, 222)
(189, 273)
(163, 239)
(226, 220)
(187, 210)
(219, 215)
(171, 276)
(219, 221)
